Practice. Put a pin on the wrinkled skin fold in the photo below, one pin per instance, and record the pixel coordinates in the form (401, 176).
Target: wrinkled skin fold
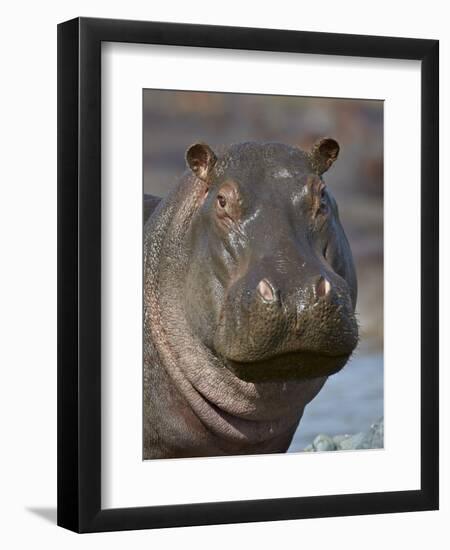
(249, 299)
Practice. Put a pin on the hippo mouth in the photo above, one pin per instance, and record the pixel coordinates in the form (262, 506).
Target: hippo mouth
(298, 366)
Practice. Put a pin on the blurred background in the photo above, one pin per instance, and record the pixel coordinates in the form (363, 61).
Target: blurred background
(172, 120)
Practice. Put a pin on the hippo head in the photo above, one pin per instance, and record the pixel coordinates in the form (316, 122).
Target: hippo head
(271, 287)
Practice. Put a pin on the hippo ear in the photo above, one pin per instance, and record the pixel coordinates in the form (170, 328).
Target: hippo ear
(323, 154)
(201, 159)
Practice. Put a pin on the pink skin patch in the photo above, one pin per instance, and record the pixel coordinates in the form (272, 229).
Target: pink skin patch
(265, 290)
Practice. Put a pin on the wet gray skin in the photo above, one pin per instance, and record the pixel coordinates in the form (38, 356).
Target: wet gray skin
(249, 298)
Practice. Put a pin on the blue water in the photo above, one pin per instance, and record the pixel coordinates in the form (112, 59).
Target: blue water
(350, 402)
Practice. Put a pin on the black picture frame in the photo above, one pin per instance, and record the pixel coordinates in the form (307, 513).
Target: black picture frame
(79, 274)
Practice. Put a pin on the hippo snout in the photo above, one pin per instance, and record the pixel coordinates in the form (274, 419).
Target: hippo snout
(269, 293)
(275, 317)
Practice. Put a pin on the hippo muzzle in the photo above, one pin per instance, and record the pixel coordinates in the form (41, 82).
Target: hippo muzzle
(282, 327)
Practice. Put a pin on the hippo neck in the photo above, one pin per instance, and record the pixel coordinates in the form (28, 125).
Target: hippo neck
(227, 406)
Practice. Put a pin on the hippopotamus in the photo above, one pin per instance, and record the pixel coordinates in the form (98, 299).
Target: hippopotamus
(249, 299)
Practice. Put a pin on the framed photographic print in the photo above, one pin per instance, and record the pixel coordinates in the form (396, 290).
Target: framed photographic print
(248, 275)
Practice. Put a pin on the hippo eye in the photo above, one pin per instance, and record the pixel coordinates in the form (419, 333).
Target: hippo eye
(323, 205)
(227, 204)
(222, 201)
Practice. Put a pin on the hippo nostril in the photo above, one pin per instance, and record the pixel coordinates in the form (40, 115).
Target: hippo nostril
(323, 287)
(265, 290)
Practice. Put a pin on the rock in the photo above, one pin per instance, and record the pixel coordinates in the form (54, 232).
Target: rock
(324, 443)
(372, 439)
(353, 442)
(338, 439)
